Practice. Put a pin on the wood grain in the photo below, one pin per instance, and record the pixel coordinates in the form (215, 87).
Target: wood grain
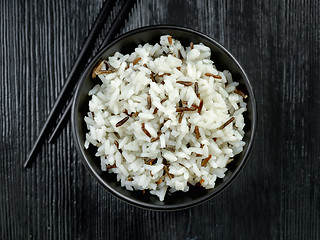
(275, 197)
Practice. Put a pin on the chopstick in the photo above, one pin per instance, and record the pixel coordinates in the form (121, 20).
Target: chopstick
(121, 17)
(112, 32)
(74, 73)
(62, 120)
(109, 37)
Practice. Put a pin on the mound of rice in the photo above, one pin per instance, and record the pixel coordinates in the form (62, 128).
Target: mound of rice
(164, 117)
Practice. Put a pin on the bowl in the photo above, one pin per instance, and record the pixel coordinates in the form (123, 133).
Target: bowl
(126, 44)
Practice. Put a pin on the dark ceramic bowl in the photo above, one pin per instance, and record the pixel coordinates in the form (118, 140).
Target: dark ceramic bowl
(126, 44)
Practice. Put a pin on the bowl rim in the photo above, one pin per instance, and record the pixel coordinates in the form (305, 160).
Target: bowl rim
(172, 207)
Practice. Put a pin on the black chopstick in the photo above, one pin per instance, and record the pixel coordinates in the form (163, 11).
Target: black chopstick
(74, 73)
(62, 120)
(109, 37)
(121, 17)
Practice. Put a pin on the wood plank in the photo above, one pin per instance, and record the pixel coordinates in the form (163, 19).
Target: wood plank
(275, 197)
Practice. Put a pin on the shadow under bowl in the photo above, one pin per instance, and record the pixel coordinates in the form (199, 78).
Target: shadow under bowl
(126, 44)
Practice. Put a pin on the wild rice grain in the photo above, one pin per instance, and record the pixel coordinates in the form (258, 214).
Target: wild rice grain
(226, 123)
(167, 172)
(206, 160)
(149, 102)
(116, 143)
(195, 106)
(185, 83)
(126, 113)
(134, 62)
(153, 77)
(196, 131)
(229, 161)
(97, 69)
(155, 110)
(185, 109)
(164, 121)
(156, 138)
(196, 89)
(240, 93)
(163, 100)
(180, 55)
(151, 161)
(103, 72)
(109, 66)
(117, 135)
(182, 165)
(165, 74)
(212, 75)
(117, 146)
(111, 166)
(121, 122)
(200, 106)
(159, 181)
(145, 130)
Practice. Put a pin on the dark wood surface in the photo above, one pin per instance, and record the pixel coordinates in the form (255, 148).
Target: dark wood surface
(275, 197)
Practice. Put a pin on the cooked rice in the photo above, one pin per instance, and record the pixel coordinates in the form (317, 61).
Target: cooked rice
(140, 136)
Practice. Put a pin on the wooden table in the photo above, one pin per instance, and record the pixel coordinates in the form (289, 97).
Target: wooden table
(275, 197)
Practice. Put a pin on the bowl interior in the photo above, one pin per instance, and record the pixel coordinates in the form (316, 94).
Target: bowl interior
(126, 44)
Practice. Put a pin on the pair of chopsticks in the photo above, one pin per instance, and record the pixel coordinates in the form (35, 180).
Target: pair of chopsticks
(74, 74)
